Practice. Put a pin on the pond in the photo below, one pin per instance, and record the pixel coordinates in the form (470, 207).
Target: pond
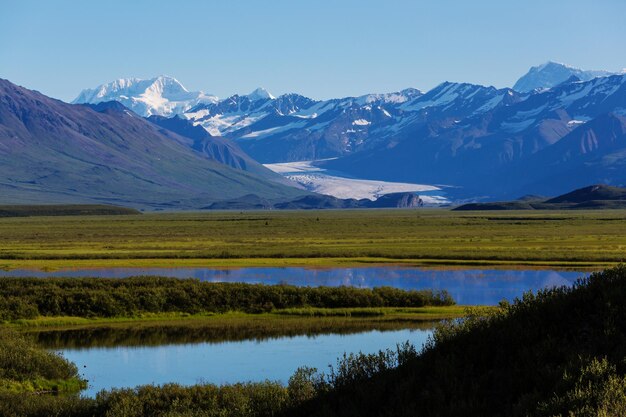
(222, 362)
(469, 286)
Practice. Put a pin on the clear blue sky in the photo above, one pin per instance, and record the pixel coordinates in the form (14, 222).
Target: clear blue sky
(321, 48)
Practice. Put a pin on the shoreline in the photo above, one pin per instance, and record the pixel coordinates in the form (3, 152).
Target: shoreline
(310, 315)
(54, 265)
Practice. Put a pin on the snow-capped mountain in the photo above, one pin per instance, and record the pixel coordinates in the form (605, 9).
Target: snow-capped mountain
(481, 139)
(162, 95)
(551, 74)
(501, 149)
(295, 128)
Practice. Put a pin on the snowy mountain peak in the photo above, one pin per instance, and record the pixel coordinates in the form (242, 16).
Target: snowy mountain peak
(166, 84)
(162, 95)
(553, 65)
(551, 74)
(260, 94)
(397, 97)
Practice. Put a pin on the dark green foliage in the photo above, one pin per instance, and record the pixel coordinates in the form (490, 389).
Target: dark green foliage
(594, 391)
(29, 405)
(556, 352)
(97, 297)
(64, 210)
(24, 366)
(251, 399)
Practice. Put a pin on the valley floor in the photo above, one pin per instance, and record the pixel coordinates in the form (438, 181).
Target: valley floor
(428, 237)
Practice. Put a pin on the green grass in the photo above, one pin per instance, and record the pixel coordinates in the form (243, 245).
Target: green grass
(25, 367)
(43, 386)
(282, 317)
(581, 239)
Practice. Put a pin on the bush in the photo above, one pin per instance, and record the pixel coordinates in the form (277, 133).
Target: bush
(22, 298)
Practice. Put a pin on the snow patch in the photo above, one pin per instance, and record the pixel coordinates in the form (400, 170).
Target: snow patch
(273, 130)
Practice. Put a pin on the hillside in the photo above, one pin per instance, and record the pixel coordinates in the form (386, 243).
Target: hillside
(57, 153)
(592, 197)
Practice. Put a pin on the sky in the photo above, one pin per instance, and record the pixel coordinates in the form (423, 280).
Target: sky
(321, 48)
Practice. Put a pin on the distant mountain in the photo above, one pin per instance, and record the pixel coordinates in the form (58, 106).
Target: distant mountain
(593, 152)
(480, 140)
(163, 95)
(54, 152)
(545, 143)
(552, 74)
(599, 196)
(270, 129)
(318, 201)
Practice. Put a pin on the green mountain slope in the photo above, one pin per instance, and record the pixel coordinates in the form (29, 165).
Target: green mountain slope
(53, 152)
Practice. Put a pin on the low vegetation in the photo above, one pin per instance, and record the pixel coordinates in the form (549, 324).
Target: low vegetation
(28, 298)
(64, 210)
(315, 238)
(24, 367)
(561, 352)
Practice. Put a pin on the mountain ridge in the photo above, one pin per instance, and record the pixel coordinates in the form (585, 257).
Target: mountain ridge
(551, 74)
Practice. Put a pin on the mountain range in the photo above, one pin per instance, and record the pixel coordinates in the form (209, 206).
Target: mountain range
(152, 144)
(558, 128)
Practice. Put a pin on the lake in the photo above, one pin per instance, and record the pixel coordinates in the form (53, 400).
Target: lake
(470, 286)
(275, 359)
(111, 358)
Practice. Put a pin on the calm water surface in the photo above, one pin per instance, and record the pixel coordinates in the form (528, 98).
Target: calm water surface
(226, 362)
(277, 358)
(467, 286)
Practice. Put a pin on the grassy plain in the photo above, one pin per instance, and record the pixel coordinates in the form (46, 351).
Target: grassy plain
(317, 239)
(284, 317)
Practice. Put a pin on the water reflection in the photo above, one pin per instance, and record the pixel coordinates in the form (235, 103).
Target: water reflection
(190, 333)
(467, 286)
(226, 362)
